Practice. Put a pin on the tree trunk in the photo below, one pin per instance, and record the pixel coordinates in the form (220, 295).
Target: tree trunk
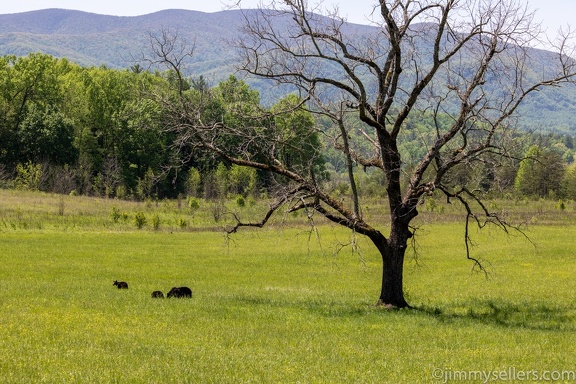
(392, 251)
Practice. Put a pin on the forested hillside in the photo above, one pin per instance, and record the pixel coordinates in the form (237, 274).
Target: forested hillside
(120, 42)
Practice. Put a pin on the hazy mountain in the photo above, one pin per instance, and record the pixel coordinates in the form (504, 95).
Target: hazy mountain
(117, 42)
(94, 40)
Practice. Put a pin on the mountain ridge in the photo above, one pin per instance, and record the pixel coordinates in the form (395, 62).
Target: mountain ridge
(44, 21)
(90, 39)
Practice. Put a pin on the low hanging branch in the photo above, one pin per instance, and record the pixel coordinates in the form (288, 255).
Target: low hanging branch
(487, 218)
(272, 209)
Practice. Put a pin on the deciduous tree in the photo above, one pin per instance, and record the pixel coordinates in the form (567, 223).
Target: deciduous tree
(464, 62)
(541, 173)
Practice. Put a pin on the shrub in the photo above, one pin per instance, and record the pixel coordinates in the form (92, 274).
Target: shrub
(182, 223)
(28, 176)
(115, 214)
(193, 203)
(139, 220)
(121, 192)
(156, 222)
(431, 204)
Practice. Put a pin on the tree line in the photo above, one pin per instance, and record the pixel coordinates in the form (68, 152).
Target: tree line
(98, 131)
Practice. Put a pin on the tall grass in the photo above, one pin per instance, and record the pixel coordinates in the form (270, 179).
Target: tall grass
(274, 305)
(40, 211)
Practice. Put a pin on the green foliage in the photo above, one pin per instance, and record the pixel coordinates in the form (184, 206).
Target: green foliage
(540, 173)
(297, 138)
(115, 214)
(221, 180)
(431, 204)
(86, 118)
(193, 182)
(193, 203)
(98, 131)
(29, 92)
(242, 180)
(139, 220)
(241, 103)
(28, 176)
(121, 192)
(569, 182)
(156, 222)
(551, 109)
(47, 135)
(145, 186)
(182, 222)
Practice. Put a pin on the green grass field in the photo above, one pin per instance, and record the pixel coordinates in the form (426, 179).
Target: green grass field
(271, 306)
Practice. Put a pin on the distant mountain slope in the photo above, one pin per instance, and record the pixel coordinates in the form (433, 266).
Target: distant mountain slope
(93, 40)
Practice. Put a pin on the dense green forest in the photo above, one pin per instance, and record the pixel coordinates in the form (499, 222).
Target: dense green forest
(98, 131)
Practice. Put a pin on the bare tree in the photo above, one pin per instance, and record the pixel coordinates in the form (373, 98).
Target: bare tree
(464, 64)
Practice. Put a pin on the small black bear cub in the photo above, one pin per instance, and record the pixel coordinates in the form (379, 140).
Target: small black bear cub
(121, 284)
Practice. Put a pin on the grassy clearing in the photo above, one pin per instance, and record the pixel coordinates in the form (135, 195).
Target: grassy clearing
(274, 306)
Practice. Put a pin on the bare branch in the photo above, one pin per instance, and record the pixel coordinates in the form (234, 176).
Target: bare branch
(273, 208)
(488, 218)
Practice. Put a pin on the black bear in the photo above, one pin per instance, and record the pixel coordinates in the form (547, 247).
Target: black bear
(180, 292)
(121, 284)
(157, 295)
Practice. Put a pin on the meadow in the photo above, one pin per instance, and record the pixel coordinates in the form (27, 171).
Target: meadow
(284, 304)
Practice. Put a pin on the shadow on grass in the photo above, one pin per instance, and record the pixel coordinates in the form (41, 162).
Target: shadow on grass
(526, 315)
(536, 316)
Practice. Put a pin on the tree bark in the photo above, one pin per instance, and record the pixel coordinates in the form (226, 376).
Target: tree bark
(392, 252)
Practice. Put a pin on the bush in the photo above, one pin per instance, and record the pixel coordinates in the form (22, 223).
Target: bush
(182, 223)
(431, 204)
(28, 176)
(156, 222)
(115, 214)
(121, 192)
(193, 203)
(139, 220)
